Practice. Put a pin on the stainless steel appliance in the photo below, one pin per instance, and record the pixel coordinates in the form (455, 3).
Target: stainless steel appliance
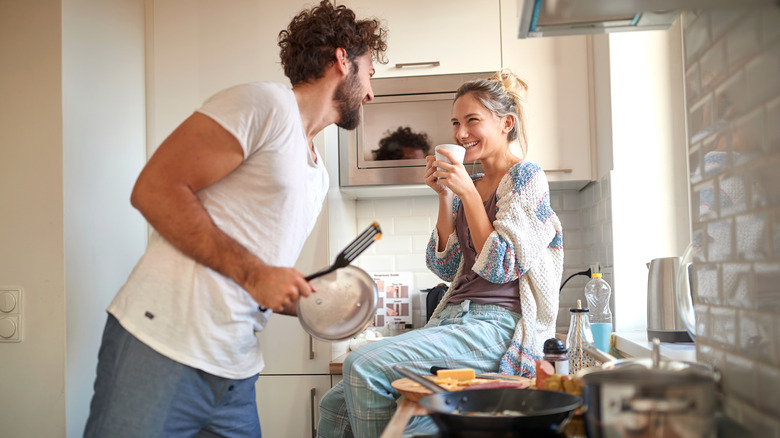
(422, 103)
(651, 398)
(664, 317)
(542, 18)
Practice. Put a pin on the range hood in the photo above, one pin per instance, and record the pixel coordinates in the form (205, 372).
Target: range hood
(540, 18)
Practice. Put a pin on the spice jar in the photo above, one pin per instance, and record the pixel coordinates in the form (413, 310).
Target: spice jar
(555, 352)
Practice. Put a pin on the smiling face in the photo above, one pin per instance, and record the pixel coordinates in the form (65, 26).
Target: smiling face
(354, 90)
(478, 129)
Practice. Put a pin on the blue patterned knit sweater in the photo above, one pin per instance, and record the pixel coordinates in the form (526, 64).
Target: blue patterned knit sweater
(526, 244)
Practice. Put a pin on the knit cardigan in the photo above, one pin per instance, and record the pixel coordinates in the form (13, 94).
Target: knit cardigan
(526, 244)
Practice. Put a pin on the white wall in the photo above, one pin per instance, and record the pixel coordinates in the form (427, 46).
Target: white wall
(32, 387)
(72, 135)
(103, 151)
(650, 213)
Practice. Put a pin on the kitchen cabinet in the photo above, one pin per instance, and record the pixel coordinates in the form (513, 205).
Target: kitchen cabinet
(559, 110)
(296, 372)
(288, 406)
(288, 349)
(460, 35)
(199, 48)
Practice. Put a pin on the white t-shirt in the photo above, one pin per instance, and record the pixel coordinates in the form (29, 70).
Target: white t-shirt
(269, 204)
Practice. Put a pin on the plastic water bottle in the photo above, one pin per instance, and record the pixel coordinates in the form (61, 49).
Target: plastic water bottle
(597, 292)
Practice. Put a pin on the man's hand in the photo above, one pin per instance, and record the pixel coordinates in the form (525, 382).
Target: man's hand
(278, 289)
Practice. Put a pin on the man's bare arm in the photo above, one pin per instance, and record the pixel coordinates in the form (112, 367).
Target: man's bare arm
(197, 154)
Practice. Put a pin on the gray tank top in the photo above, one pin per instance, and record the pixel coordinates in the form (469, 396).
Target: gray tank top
(471, 286)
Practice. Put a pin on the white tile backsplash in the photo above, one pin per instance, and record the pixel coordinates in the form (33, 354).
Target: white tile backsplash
(413, 225)
(397, 207)
(741, 379)
(771, 31)
(722, 20)
(769, 388)
(407, 225)
(742, 40)
(735, 182)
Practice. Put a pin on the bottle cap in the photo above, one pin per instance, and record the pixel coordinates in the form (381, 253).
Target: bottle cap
(595, 275)
(554, 346)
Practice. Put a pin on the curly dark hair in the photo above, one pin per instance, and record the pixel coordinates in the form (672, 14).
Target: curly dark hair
(309, 43)
(390, 146)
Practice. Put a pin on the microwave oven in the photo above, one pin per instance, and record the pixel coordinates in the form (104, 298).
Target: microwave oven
(423, 104)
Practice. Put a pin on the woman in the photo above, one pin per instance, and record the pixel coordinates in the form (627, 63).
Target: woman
(499, 243)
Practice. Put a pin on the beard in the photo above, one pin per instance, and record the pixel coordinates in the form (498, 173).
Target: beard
(348, 98)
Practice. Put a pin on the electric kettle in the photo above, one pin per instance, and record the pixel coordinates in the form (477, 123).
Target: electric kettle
(668, 283)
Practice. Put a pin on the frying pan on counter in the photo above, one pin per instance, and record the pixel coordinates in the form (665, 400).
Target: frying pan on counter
(496, 412)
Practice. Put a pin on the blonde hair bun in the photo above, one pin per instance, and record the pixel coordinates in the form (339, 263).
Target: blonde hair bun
(512, 83)
(503, 94)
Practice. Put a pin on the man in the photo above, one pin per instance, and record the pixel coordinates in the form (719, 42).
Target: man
(232, 195)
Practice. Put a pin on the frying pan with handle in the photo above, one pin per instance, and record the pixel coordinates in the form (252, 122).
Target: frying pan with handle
(496, 412)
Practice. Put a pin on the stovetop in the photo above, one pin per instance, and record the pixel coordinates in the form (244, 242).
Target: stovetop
(574, 429)
(726, 428)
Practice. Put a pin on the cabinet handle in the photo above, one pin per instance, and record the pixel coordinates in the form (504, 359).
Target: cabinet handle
(313, 429)
(418, 64)
(311, 347)
(558, 170)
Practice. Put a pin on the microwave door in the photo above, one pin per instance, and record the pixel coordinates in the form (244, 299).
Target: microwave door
(413, 105)
(390, 117)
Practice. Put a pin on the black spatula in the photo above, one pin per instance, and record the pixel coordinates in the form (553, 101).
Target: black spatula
(354, 249)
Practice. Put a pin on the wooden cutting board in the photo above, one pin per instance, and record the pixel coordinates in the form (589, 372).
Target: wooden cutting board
(413, 391)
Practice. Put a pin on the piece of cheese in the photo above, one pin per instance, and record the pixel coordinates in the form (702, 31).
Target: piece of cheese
(457, 374)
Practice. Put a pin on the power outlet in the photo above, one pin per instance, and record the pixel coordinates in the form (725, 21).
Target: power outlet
(10, 314)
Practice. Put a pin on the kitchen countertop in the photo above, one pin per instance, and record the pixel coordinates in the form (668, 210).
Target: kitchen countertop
(335, 365)
(635, 344)
(630, 344)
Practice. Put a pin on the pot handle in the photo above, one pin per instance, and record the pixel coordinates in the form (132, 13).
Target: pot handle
(426, 383)
(640, 405)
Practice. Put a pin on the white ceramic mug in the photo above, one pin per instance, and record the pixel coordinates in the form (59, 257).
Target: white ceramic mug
(457, 151)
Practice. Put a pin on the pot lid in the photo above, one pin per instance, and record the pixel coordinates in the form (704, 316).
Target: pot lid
(343, 306)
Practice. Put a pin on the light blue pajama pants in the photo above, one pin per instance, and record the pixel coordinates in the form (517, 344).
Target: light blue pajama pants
(464, 335)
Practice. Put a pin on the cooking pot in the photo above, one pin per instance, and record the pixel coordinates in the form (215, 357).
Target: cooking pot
(650, 398)
(343, 305)
(496, 412)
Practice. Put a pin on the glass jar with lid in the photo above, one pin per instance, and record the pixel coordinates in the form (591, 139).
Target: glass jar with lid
(579, 335)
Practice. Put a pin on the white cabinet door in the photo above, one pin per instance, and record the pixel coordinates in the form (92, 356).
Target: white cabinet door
(197, 48)
(288, 406)
(558, 111)
(287, 348)
(463, 36)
